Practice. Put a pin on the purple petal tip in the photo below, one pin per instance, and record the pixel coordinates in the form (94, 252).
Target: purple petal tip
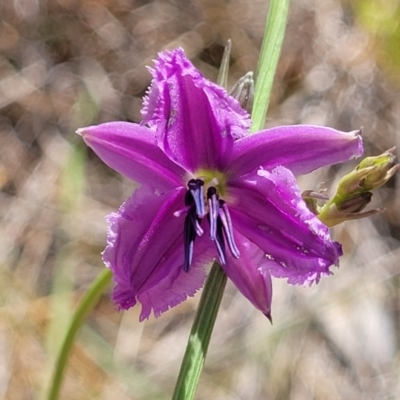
(269, 317)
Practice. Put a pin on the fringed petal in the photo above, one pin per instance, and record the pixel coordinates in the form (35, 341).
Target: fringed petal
(196, 120)
(268, 209)
(145, 253)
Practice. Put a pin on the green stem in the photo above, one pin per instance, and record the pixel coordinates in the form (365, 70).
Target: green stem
(200, 335)
(86, 304)
(268, 61)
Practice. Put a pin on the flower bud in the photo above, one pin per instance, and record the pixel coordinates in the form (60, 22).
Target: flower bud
(243, 91)
(381, 167)
(354, 189)
(356, 203)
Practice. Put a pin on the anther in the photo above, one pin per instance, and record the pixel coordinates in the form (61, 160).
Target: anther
(189, 236)
(220, 243)
(196, 189)
(196, 223)
(226, 221)
(221, 228)
(213, 207)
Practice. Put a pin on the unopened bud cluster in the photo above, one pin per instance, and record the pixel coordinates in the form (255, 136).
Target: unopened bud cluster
(353, 193)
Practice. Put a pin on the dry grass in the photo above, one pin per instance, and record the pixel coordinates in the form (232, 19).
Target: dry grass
(69, 63)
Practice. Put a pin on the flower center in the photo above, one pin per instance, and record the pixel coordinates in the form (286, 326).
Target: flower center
(199, 204)
(213, 178)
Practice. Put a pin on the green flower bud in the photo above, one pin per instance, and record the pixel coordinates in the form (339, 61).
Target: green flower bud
(371, 173)
(353, 193)
(355, 203)
(352, 182)
(381, 168)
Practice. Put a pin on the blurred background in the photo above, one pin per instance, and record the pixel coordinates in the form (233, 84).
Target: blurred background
(69, 63)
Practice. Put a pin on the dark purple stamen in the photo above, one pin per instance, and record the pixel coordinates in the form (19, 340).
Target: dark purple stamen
(189, 236)
(228, 228)
(195, 222)
(192, 227)
(213, 206)
(220, 243)
(196, 189)
(218, 217)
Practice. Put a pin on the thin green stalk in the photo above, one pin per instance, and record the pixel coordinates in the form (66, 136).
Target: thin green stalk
(200, 335)
(86, 304)
(268, 61)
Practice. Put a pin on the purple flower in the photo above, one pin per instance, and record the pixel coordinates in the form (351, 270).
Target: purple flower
(211, 190)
